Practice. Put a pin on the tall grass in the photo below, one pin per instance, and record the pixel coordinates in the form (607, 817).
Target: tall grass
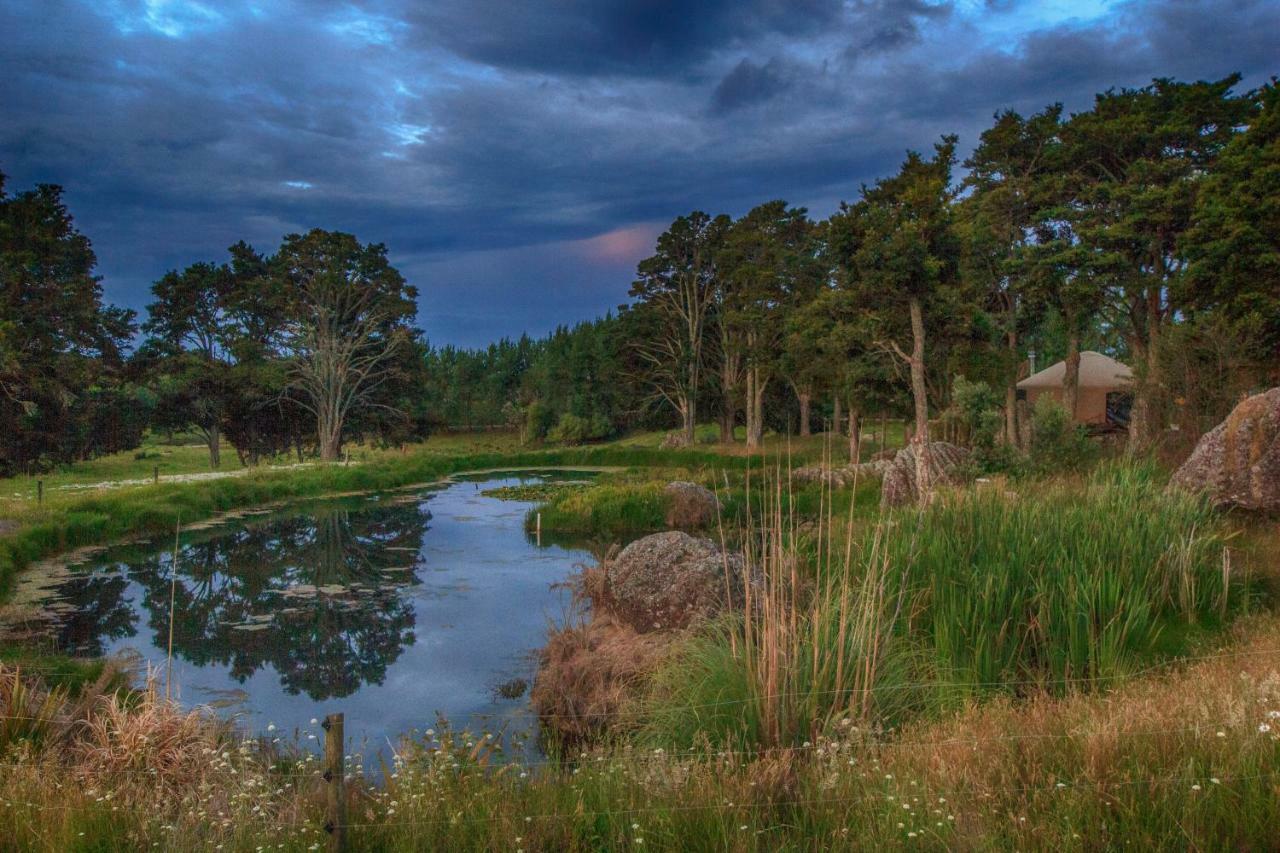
(982, 593)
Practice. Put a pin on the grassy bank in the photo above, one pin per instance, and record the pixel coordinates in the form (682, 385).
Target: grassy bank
(1186, 760)
(627, 506)
(990, 673)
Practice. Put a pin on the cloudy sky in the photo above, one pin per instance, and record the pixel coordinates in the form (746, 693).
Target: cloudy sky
(517, 157)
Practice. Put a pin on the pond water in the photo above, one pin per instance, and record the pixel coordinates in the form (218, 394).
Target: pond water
(393, 609)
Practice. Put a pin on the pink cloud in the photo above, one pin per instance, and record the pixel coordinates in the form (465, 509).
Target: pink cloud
(622, 245)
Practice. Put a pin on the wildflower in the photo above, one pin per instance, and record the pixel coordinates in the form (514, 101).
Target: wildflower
(1264, 728)
(1195, 787)
(1215, 780)
(1222, 734)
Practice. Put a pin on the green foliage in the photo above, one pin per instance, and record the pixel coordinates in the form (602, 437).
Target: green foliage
(63, 394)
(577, 430)
(1058, 444)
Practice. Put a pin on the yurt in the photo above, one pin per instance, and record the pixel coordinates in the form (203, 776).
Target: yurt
(1105, 389)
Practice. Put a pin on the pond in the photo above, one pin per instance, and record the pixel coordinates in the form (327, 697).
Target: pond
(392, 608)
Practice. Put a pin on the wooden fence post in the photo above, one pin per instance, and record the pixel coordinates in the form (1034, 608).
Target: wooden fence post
(39, 491)
(336, 801)
(155, 474)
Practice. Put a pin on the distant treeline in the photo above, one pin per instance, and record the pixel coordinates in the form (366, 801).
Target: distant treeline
(1146, 226)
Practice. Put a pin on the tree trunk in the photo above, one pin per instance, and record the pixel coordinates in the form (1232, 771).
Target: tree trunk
(726, 427)
(690, 412)
(730, 377)
(1071, 379)
(806, 400)
(919, 393)
(837, 416)
(215, 446)
(1011, 394)
(855, 434)
(755, 407)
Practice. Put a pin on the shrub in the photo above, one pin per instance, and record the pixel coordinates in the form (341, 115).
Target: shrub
(573, 429)
(539, 420)
(1057, 444)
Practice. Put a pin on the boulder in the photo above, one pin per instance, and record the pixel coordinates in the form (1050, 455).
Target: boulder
(1237, 463)
(690, 505)
(900, 487)
(669, 581)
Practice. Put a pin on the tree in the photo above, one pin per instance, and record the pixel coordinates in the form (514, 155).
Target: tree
(677, 286)
(1137, 161)
(771, 257)
(349, 315)
(906, 256)
(1233, 243)
(192, 329)
(60, 345)
(1010, 172)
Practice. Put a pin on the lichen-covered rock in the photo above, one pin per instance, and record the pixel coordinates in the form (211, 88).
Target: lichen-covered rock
(900, 486)
(689, 505)
(669, 581)
(843, 476)
(1237, 463)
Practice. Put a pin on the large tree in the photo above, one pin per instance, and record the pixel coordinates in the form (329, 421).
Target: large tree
(677, 287)
(1233, 244)
(60, 344)
(906, 264)
(191, 332)
(1011, 174)
(772, 257)
(349, 322)
(1137, 162)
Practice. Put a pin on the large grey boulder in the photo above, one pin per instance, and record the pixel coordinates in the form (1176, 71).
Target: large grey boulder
(1237, 463)
(690, 505)
(900, 487)
(669, 581)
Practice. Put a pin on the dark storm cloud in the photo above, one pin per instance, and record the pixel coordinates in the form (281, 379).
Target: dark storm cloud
(645, 38)
(749, 83)
(517, 158)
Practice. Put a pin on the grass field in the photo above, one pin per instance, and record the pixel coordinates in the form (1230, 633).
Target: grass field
(1076, 667)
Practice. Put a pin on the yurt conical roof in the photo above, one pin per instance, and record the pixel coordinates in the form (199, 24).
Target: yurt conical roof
(1096, 371)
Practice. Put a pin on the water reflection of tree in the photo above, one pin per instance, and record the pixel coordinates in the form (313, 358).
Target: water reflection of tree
(102, 613)
(325, 644)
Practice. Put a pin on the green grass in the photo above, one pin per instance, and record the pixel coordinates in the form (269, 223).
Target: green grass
(1064, 587)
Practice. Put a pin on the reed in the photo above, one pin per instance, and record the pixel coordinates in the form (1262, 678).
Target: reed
(922, 612)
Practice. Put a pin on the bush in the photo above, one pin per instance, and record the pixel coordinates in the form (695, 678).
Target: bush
(978, 408)
(539, 420)
(1057, 444)
(573, 429)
